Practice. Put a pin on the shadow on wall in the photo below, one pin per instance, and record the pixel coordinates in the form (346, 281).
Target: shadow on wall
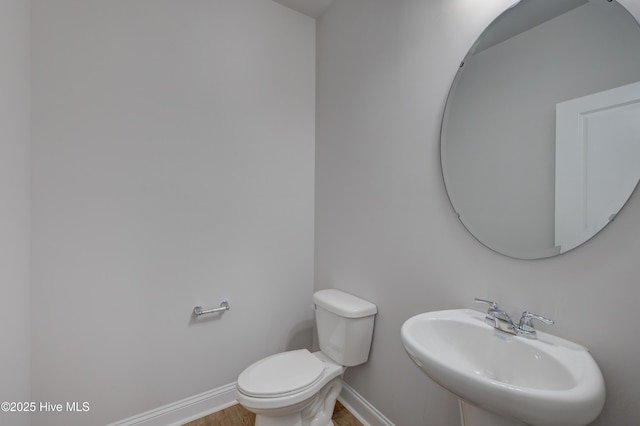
(302, 336)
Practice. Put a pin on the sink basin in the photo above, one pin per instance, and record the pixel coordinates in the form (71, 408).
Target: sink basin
(548, 381)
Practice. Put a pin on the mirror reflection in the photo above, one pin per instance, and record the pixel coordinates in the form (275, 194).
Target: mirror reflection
(545, 70)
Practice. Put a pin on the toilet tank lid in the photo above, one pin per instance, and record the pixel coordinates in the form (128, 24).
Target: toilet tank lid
(344, 304)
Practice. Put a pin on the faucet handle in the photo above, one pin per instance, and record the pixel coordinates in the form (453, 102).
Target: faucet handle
(492, 305)
(527, 317)
(490, 319)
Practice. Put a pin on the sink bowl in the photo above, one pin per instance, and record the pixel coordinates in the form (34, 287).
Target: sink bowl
(548, 381)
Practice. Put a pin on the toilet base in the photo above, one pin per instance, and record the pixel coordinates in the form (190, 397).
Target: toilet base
(316, 411)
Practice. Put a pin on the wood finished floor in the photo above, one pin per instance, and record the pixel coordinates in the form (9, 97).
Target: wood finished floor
(237, 415)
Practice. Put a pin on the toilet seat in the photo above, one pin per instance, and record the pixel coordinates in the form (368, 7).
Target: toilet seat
(283, 374)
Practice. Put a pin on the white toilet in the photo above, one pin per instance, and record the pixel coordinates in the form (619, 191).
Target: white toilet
(299, 388)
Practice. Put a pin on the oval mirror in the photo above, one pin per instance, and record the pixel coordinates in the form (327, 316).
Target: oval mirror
(540, 142)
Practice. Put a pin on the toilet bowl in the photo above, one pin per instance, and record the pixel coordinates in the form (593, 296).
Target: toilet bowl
(300, 388)
(288, 385)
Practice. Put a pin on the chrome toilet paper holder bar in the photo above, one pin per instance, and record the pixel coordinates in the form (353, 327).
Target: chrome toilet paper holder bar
(224, 306)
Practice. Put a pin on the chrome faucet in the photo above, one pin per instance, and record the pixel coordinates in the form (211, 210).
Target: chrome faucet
(499, 319)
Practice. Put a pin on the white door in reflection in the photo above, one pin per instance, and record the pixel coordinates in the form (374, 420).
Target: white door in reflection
(597, 161)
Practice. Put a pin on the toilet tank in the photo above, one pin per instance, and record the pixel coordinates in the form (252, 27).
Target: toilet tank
(345, 326)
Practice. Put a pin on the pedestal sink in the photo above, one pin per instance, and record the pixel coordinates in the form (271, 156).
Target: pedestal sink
(505, 379)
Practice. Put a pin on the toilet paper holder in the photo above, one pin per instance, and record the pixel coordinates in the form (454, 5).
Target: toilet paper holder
(224, 306)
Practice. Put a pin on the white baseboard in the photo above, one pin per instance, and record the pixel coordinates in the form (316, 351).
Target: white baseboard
(195, 407)
(361, 409)
(186, 410)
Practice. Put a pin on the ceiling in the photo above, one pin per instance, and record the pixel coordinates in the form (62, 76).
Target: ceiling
(312, 8)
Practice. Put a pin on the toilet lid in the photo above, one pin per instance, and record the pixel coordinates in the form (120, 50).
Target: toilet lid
(281, 374)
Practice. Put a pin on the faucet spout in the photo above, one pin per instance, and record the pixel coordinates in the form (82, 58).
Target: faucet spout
(502, 321)
(497, 318)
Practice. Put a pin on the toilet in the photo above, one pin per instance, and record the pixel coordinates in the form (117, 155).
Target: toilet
(300, 388)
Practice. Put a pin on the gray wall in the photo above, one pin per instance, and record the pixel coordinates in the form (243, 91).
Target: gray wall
(14, 206)
(385, 229)
(173, 165)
